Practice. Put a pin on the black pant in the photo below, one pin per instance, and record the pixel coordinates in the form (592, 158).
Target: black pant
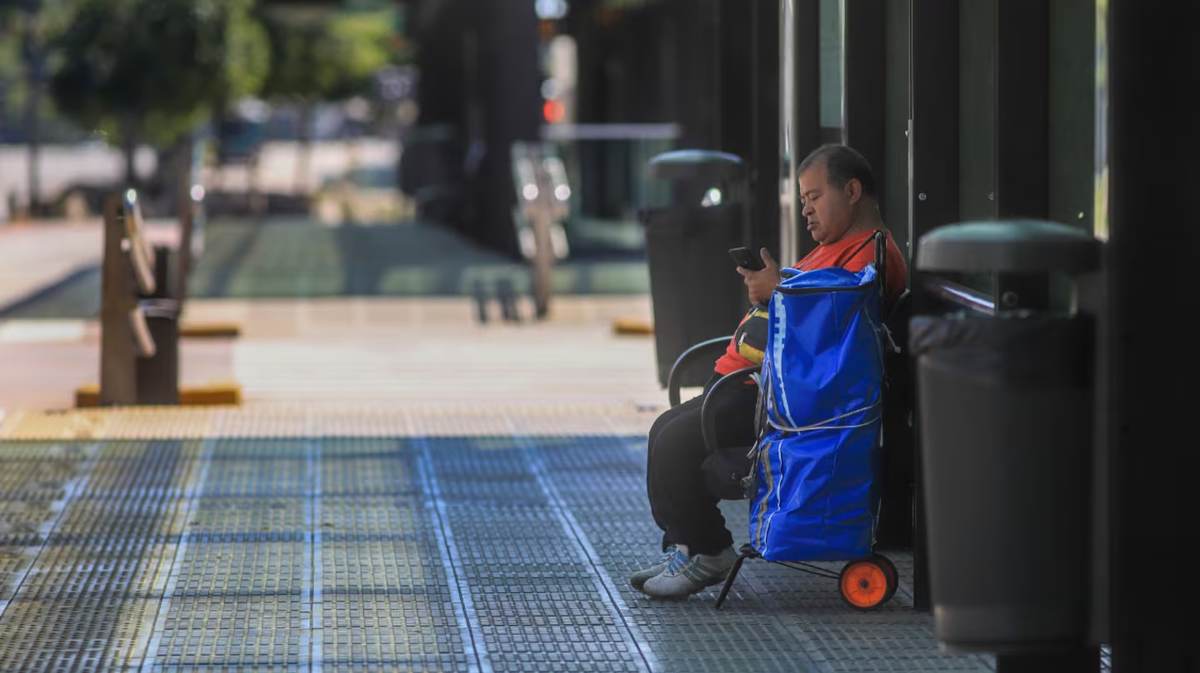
(682, 507)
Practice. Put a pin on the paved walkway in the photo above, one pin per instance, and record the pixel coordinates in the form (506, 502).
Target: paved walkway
(303, 338)
(437, 536)
(405, 489)
(58, 256)
(34, 256)
(370, 350)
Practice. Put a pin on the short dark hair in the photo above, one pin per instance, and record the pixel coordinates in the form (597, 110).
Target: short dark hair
(842, 164)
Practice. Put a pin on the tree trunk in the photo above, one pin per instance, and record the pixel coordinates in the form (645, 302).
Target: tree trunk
(130, 150)
(33, 102)
(166, 176)
(217, 116)
(35, 60)
(186, 213)
(304, 150)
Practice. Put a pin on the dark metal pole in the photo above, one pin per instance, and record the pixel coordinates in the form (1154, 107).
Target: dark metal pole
(764, 158)
(1022, 184)
(933, 188)
(805, 112)
(864, 101)
(508, 86)
(1153, 166)
(1022, 109)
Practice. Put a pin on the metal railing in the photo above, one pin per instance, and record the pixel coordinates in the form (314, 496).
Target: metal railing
(606, 166)
(579, 188)
(543, 203)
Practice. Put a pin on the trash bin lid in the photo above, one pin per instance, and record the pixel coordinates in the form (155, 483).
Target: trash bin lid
(696, 164)
(1015, 246)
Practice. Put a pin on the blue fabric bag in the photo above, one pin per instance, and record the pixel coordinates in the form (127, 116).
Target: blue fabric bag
(815, 490)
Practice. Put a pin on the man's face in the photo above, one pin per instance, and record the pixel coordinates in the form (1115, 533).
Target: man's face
(828, 210)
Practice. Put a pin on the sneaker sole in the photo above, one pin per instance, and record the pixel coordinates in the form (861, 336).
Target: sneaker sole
(703, 587)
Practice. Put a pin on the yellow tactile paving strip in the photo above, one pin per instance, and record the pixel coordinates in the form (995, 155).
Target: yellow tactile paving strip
(297, 421)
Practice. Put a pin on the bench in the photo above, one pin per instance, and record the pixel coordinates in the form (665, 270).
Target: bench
(139, 311)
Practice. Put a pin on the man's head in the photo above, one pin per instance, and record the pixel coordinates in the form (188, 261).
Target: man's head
(837, 189)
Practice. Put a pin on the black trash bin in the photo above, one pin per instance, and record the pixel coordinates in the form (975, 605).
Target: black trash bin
(695, 289)
(1005, 405)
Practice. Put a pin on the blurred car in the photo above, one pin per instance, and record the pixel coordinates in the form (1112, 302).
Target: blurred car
(367, 194)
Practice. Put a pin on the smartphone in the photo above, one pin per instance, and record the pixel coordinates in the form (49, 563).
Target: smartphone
(744, 258)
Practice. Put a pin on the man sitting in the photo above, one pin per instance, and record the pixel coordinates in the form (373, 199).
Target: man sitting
(838, 193)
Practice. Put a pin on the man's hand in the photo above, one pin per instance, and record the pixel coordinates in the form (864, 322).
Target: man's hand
(762, 283)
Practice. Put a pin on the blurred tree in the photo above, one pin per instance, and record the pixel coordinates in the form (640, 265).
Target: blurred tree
(152, 70)
(15, 78)
(28, 23)
(33, 54)
(324, 58)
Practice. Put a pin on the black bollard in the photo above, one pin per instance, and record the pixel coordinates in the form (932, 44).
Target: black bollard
(481, 301)
(507, 295)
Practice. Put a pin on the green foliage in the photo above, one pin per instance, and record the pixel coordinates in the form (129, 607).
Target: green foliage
(11, 69)
(155, 67)
(329, 59)
(247, 53)
(22, 33)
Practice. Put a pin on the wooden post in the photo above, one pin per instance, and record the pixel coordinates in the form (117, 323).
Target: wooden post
(118, 352)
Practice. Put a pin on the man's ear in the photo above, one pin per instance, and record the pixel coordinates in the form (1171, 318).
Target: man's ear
(853, 190)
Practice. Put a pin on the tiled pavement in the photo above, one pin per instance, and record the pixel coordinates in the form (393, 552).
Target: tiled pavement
(417, 537)
(405, 489)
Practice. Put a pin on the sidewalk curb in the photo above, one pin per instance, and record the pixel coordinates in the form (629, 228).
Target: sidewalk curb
(631, 326)
(213, 394)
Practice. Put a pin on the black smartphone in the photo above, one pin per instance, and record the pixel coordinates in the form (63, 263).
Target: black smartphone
(743, 257)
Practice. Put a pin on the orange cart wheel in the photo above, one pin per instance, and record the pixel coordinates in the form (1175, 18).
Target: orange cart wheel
(893, 576)
(865, 584)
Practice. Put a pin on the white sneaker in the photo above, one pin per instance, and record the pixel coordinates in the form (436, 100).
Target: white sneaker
(690, 574)
(638, 579)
